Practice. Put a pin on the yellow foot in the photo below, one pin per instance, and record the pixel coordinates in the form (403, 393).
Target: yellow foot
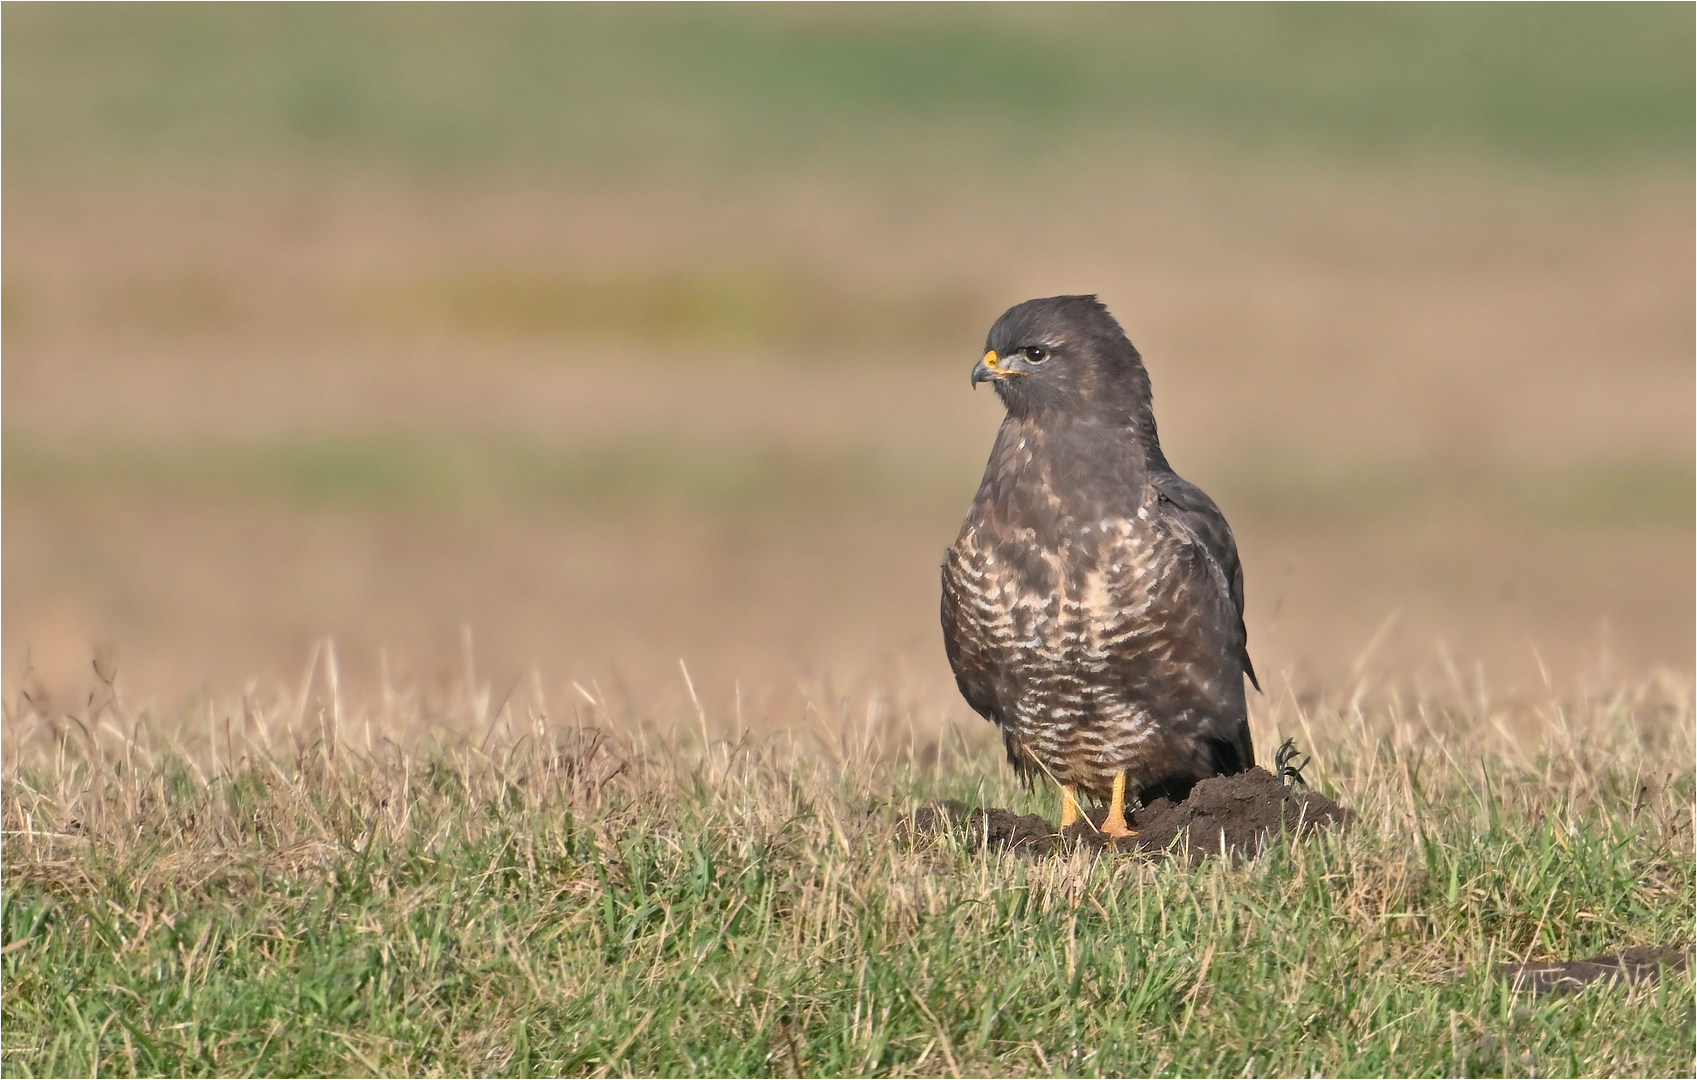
(1115, 824)
(1069, 805)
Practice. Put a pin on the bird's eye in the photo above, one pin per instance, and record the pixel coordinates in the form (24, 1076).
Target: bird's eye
(1036, 354)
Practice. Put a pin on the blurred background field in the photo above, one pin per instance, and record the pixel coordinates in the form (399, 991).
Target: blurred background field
(620, 335)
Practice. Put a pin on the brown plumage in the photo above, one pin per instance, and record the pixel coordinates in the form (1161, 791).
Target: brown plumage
(1093, 603)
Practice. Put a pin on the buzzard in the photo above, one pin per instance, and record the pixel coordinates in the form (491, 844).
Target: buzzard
(1093, 603)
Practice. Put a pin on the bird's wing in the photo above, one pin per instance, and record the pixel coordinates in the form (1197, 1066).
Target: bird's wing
(1190, 511)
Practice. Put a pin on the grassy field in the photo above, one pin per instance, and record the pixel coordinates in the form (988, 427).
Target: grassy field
(582, 339)
(305, 886)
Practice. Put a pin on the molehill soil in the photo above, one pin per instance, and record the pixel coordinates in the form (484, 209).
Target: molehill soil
(1224, 814)
(1638, 965)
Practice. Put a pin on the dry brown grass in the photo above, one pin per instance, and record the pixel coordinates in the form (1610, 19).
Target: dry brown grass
(401, 879)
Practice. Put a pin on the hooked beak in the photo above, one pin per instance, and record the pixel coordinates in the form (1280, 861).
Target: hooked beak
(989, 368)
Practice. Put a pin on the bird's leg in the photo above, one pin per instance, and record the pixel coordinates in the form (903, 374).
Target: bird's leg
(1115, 824)
(1069, 805)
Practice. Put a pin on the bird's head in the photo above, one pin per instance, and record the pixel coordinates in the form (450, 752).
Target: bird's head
(1064, 354)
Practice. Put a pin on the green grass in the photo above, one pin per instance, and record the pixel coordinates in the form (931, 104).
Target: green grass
(875, 90)
(309, 886)
(400, 471)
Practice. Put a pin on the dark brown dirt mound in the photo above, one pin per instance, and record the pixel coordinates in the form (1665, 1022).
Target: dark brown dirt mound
(1632, 966)
(1234, 814)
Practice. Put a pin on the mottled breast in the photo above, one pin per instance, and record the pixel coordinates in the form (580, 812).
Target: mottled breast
(1058, 639)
